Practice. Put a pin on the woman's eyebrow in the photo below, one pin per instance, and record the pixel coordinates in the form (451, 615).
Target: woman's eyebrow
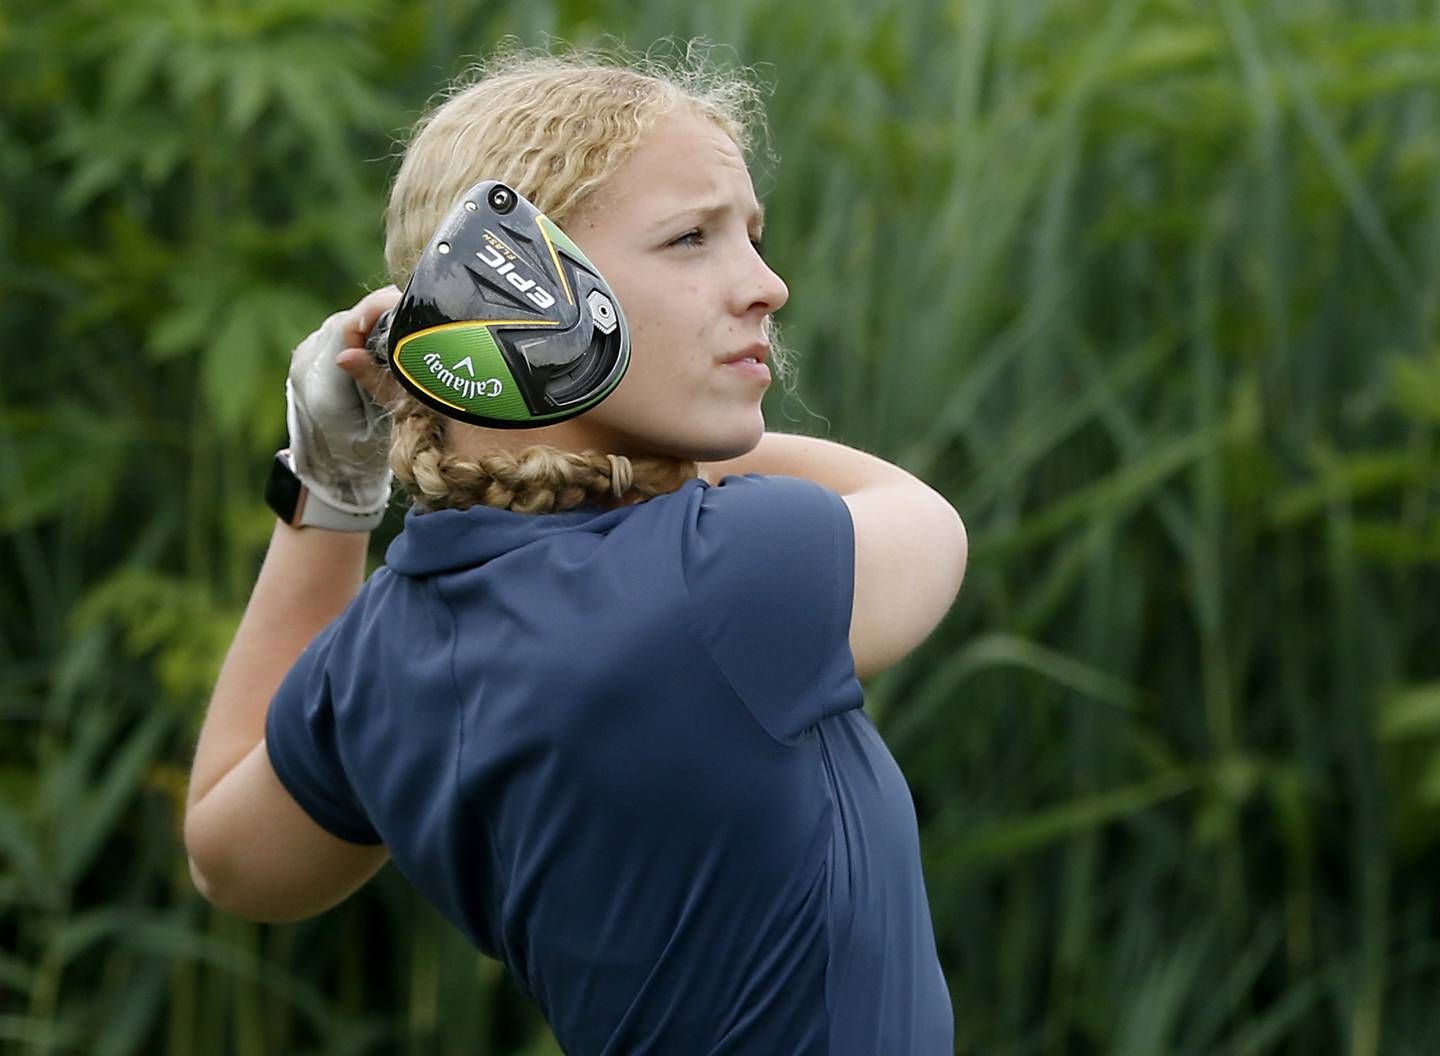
(714, 210)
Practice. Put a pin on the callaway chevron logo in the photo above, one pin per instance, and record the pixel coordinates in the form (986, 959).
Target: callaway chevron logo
(469, 388)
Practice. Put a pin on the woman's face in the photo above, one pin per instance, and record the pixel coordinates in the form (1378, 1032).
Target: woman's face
(675, 233)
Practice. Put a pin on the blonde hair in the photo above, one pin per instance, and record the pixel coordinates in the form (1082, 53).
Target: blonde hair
(555, 127)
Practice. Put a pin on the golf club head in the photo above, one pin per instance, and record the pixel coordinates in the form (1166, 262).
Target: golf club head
(505, 323)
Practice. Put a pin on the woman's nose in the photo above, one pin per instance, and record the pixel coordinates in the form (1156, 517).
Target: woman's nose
(761, 288)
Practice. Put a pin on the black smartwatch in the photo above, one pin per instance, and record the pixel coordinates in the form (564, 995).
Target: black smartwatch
(299, 507)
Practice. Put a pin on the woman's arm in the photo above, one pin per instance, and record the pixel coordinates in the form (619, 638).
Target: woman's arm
(844, 470)
(252, 849)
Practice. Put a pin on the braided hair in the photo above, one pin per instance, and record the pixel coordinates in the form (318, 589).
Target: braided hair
(537, 479)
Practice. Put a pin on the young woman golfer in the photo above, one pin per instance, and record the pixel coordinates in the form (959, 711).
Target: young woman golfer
(601, 705)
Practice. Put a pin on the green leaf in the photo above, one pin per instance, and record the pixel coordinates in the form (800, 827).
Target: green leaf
(18, 844)
(246, 359)
(42, 477)
(247, 93)
(1413, 712)
(1113, 496)
(1347, 477)
(140, 49)
(1015, 836)
(98, 809)
(180, 331)
(1415, 383)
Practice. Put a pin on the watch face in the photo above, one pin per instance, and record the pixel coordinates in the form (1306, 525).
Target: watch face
(282, 490)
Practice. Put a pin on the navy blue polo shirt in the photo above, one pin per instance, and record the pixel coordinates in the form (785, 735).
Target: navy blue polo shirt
(626, 753)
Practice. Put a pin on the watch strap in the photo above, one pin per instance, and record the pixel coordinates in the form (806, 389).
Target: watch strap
(298, 506)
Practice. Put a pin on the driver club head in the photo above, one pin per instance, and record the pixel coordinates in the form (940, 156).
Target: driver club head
(505, 323)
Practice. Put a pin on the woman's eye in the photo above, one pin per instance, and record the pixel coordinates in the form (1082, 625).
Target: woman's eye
(696, 238)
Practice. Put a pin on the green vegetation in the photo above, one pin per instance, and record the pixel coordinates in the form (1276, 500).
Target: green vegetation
(1148, 288)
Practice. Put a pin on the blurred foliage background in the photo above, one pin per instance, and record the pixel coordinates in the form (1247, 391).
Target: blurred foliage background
(1147, 287)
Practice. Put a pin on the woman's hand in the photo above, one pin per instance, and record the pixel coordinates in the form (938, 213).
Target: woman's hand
(339, 437)
(353, 358)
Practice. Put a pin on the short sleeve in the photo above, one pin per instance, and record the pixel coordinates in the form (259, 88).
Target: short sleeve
(770, 566)
(303, 742)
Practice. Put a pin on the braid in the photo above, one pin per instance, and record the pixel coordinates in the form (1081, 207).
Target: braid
(539, 479)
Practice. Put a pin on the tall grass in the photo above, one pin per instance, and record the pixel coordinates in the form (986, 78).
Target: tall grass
(1148, 289)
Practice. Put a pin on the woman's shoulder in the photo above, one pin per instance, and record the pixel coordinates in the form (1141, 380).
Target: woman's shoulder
(770, 571)
(776, 511)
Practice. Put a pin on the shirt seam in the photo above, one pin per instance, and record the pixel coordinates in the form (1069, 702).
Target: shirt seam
(840, 621)
(454, 689)
(828, 769)
(501, 948)
(692, 623)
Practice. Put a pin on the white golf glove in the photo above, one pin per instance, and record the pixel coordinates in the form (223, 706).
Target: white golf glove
(339, 438)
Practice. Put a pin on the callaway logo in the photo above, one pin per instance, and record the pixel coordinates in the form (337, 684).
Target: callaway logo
(499, 257)
(467, 388)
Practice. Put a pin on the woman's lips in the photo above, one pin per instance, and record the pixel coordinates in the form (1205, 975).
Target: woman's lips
(749, 367)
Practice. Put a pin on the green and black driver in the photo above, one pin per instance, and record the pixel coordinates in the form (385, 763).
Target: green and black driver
(505, 323)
